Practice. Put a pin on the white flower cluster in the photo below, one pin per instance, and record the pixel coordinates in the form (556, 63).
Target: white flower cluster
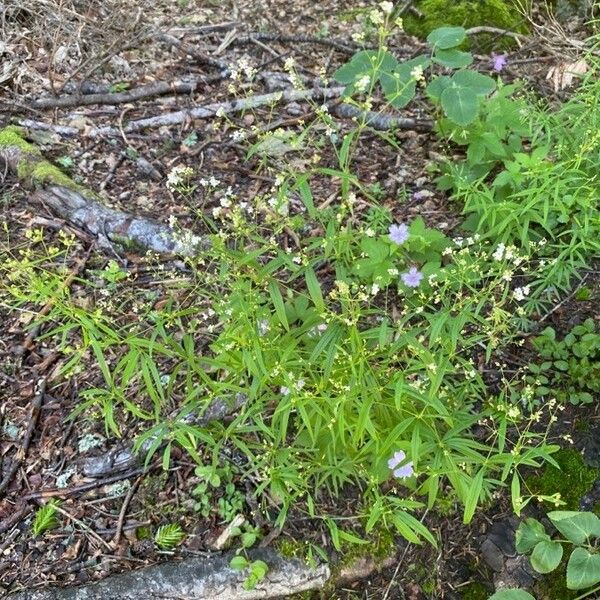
(520, 293)
(178, 175)
(242, 70)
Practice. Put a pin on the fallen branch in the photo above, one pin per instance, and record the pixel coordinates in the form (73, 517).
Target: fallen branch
(375, 120)
(297, 39)
(196, 579)
(160, 88)
(83, 208)
(383, 122)
(505, 32)
(200, 112)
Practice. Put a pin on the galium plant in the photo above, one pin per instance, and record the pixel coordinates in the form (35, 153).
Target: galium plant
(360, 346)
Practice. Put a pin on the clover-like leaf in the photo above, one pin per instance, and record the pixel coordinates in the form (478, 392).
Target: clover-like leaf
(453, 58)
(529, 534)
(447, 37)
(460, 104)
(583, 569)
(546, 556)
(479, 84)
(576, 526)
(436, 86)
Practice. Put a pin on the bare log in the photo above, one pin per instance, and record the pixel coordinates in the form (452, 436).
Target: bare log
(206, 578)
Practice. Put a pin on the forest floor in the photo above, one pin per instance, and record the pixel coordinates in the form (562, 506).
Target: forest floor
(47, 47)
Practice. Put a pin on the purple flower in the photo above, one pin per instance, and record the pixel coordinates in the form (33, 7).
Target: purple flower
(499, 62)
(420, 194)
(403, 471)
(412, 278)
(399, 233)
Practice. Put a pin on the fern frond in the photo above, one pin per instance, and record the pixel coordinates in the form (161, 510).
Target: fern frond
(45, 518)
(169, 536)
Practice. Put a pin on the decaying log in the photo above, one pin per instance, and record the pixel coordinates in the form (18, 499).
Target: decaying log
(206, 578)
(83, 208)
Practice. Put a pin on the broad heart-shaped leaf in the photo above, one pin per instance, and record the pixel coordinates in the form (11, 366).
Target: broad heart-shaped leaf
(447, 37)
(546, 556)
(360, 64)
(512, 595)
(366, 62)
(576, 526)
(436, 86)
(397, 91)
(583, 569)
(460, 104)
(529, 534)
(452, 58)
(482, 85)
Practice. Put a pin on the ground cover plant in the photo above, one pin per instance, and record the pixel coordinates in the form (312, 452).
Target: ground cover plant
(327, 345)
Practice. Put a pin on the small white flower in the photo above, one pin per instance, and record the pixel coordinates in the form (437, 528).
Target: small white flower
(387, 7)
(289, 63)
(363, 83)
(376, 16)
(499, 252)
(417, 74)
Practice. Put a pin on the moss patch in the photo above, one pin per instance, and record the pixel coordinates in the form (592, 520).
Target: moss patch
(554, 586)
(475, 591)
(573, 480)
(13, 136)
(41, 171)
(31, 165)
(467, 13)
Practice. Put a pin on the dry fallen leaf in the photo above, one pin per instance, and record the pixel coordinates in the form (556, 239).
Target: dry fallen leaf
(563, 74)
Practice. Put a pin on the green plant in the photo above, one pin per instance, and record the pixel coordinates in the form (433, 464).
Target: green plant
(229, 503)
(570, 371)
(580, 529)
(45, 518)
(460, 96)
(168, 536)
(256, 569)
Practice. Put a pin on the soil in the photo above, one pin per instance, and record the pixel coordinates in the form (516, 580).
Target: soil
(86, 546)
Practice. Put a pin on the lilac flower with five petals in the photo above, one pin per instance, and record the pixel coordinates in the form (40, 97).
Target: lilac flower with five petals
(412, 278)
(499, 62)
(399, 233)
(403, 471)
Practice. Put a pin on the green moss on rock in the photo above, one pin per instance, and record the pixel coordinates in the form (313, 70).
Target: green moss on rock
(467, 13)
(573, 480)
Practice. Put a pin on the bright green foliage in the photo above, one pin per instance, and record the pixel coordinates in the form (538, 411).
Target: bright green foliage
(570, 371)
(512, 594)
(230, 501)
(45, 518)
(465, 13)
(257, 570)
(459, 96)
(169, 536)
(581, 529)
